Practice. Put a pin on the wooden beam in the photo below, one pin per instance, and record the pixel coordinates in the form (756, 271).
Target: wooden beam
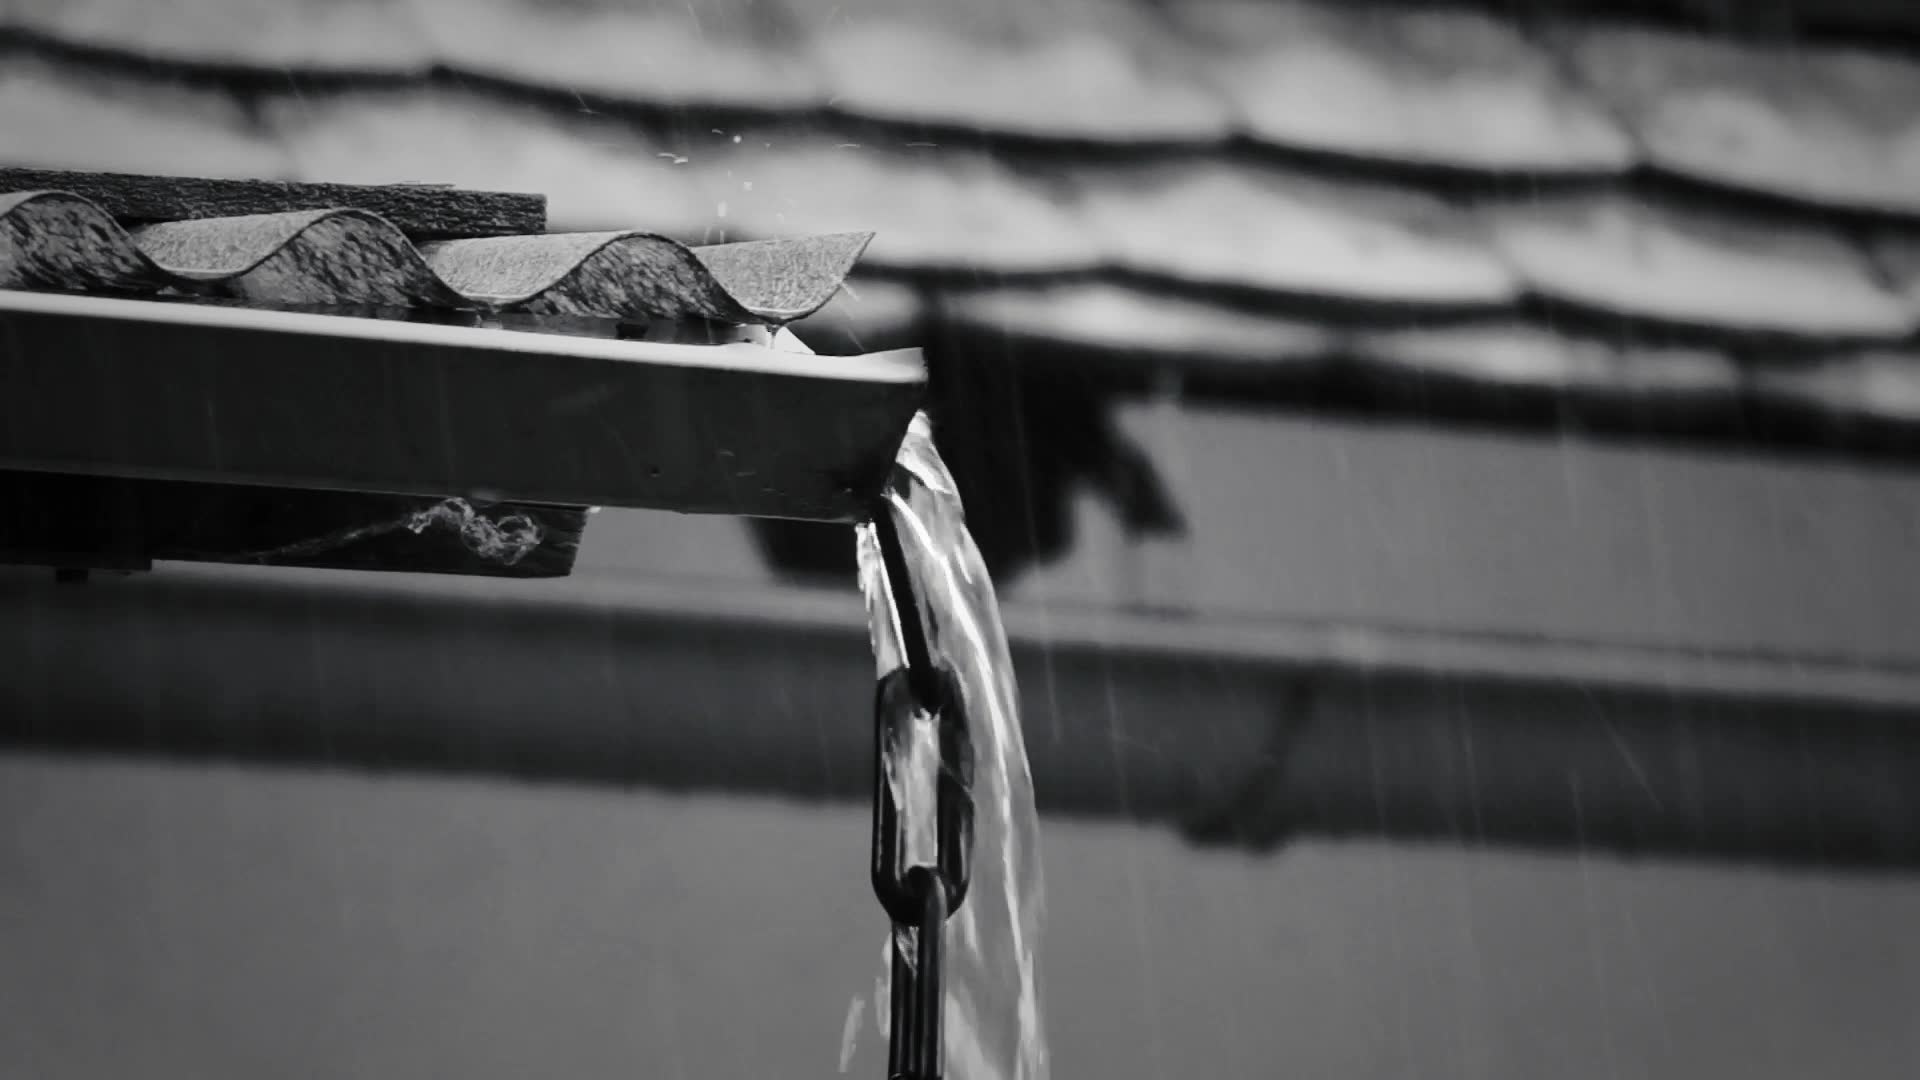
(75, 521)
(184, 392)
(426, 211)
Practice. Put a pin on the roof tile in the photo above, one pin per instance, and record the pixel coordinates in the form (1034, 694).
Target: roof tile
(426, 211)
(1099, 70)
(655, 52)
(303, 258)
(1262, 229)
(957, 210)
(1697, 269)
(1396, 85)
(331, 36)
(1427, 87)
(783, 279)
(1896, 254)
(1101, 315)
(59, 241)
(1825, 125)
(598, 173)
(954, 210)
(1516, 354)
(58, 118)
(350, 257)
(1874, 385)
(626, 274)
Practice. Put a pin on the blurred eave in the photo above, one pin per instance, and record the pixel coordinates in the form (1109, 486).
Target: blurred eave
(766, 691)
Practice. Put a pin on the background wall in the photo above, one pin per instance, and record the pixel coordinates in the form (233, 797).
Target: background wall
(173, 922)
(204, 923)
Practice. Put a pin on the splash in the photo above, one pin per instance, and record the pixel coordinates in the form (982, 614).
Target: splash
(506, 540)
(993, 1018)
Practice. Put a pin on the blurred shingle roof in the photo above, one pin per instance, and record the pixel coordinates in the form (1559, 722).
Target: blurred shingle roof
(1572, 205)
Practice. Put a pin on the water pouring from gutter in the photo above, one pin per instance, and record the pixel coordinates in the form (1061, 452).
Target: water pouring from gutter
(939, 638)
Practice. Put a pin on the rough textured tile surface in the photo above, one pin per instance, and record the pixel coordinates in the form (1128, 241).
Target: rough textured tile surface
(351, 258)
(783, 279)
(59, 242)
(309, 258)
(419, 210)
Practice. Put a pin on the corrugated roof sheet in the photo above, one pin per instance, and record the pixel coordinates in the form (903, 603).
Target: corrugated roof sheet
(515, 348)
(346, 257)
(1192, 178)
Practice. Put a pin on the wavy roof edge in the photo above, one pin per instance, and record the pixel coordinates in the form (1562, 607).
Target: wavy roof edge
(346, 256)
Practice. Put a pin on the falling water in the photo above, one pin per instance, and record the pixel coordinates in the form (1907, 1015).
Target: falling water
(993, 1028)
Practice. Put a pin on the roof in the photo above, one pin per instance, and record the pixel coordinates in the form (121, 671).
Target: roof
(339, 254)
(1625, 212)
(1615, 210)
(289, 373)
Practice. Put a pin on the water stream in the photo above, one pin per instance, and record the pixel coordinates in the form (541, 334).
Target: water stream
(993, 1022)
